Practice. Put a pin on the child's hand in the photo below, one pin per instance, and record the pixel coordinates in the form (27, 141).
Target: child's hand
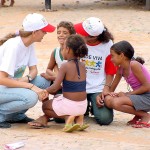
(45, 75)
(42, 74)
(120, 94)
(48, 77)
(99, 100)
(43, 95)
(105, 92)
(113, 94)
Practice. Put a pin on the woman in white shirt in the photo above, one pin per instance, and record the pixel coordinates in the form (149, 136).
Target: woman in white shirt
(18, 93)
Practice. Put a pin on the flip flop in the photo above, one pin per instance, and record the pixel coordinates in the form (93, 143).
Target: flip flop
(133, 121)
(141, 125)
(83, 127)
(71, 128)
(35, 126)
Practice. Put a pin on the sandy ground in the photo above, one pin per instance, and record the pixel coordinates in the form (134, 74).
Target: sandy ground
(126, 22)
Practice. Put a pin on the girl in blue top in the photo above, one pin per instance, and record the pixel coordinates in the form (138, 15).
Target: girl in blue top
(72, 104)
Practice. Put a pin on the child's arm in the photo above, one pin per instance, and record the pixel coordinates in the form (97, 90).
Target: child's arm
(100, 98)
(109, 80)
(52, 62)
(137, 71)
(115, 81)
(50, 74)
(56, 69)
(57, 84)
(110, 70)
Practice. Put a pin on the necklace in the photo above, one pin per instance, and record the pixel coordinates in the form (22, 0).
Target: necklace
(128, 87)
(126, 75)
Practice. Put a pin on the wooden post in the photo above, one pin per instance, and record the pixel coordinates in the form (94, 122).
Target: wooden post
(148, 4)
(47, 4)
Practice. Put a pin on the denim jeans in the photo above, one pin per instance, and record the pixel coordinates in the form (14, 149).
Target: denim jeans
(14, 102)
(103, 115)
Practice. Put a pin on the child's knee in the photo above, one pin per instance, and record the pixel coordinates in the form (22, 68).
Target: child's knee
(115, 104)
(108, 101)
(46, 105)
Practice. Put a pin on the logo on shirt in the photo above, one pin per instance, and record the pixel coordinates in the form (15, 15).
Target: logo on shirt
(93, 63)
(19, 72)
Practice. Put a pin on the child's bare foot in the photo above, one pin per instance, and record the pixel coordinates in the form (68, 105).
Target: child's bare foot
(41, 122)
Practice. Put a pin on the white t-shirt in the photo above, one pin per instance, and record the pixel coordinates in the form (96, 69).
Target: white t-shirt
(95, 66)
(58, 57)
(15, 56)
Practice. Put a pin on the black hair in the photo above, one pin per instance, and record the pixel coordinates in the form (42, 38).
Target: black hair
(77, 44)
(105, 36)
(127, 49)
(68, 25)
(140, 60)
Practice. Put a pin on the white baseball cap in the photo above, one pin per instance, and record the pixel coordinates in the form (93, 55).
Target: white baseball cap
(92, 26)
(33, 22)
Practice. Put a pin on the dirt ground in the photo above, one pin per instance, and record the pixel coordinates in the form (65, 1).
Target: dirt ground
(126, 22)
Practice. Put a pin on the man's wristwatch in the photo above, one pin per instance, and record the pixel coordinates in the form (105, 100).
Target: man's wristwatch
(29, 78)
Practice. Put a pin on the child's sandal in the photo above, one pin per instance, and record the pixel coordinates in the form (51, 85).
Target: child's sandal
(70, 127)
(83, 127)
